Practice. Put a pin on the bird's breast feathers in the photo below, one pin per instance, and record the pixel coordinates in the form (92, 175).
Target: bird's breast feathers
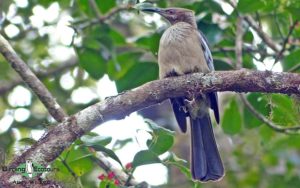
(180, 51)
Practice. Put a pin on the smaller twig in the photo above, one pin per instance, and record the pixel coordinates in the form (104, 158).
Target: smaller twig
(106, 165)
(258, 18)
(269, 123)
(285, 42)
(277, 24)
(294, 68)
(130, 176)
(257, 28)
(68, 167)
(261, 33)
(107, 16)
(31, 80)
(94, 6)
(4, 88)
(239, 43)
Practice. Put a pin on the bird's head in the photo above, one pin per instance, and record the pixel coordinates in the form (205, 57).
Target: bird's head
(174, 15)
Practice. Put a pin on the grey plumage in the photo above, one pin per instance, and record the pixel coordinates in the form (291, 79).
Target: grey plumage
(182, 50)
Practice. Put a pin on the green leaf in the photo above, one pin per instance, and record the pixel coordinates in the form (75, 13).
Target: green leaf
(293, 7)
(119, 66)
(284, 110)
(74, 152)
(92, 61)
(232, 119)
(95, 140)
(248, 37)
(4, 69)
(181, 164)
(85, 8)
(248, 6)
(77, 158)
(260, 103)
(162, 139)
(248, 61)
(116, 36)
(221, 65)
(82, 165)
(150, 42)
(121, 143)
(266, 133)
(139, 74)
(108, 152)
(145, 157)
(291, 60)
(103, 184)
(162, 3)
(207, 6)
(105, 5)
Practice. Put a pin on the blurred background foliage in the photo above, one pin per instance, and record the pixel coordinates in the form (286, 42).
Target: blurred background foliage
(77, 46)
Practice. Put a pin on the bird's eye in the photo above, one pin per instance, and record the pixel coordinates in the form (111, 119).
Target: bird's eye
(171, 11)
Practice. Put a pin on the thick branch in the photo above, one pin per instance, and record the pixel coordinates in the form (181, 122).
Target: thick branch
(31, 80)
(117, 107)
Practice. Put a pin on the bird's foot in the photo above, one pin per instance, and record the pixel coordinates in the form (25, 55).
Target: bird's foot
(192, 107)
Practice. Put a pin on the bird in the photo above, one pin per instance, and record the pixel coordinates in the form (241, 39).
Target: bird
(183, 49)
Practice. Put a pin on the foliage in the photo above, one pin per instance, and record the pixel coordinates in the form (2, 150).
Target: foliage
(124, 47)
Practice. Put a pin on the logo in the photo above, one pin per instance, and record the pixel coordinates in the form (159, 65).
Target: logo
(29, 169)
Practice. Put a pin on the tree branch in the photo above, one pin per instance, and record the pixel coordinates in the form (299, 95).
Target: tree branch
(257, 28)
(4, 88)
(285, 42)
(31, 80)
(60, 137)
(261, 33)
(107, 16)
(239, 43)
(105, 164)
(269, 123)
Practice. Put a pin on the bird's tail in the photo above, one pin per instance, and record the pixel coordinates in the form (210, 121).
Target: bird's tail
(206, 163)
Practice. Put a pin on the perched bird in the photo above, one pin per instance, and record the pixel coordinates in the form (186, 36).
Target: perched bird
(182, 50)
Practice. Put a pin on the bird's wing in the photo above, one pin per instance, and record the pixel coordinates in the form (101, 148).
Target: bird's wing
(209, 60)
(206, 51)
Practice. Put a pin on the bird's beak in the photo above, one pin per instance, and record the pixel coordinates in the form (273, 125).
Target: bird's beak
(151, 9)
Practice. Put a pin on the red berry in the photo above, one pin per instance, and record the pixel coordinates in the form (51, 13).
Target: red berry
(117, 182)
(101, 177)
(110, 175)
(128, 166)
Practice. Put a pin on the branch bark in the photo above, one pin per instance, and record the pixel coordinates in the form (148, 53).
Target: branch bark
(4, 88)
(60, 137)
(31, 80)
